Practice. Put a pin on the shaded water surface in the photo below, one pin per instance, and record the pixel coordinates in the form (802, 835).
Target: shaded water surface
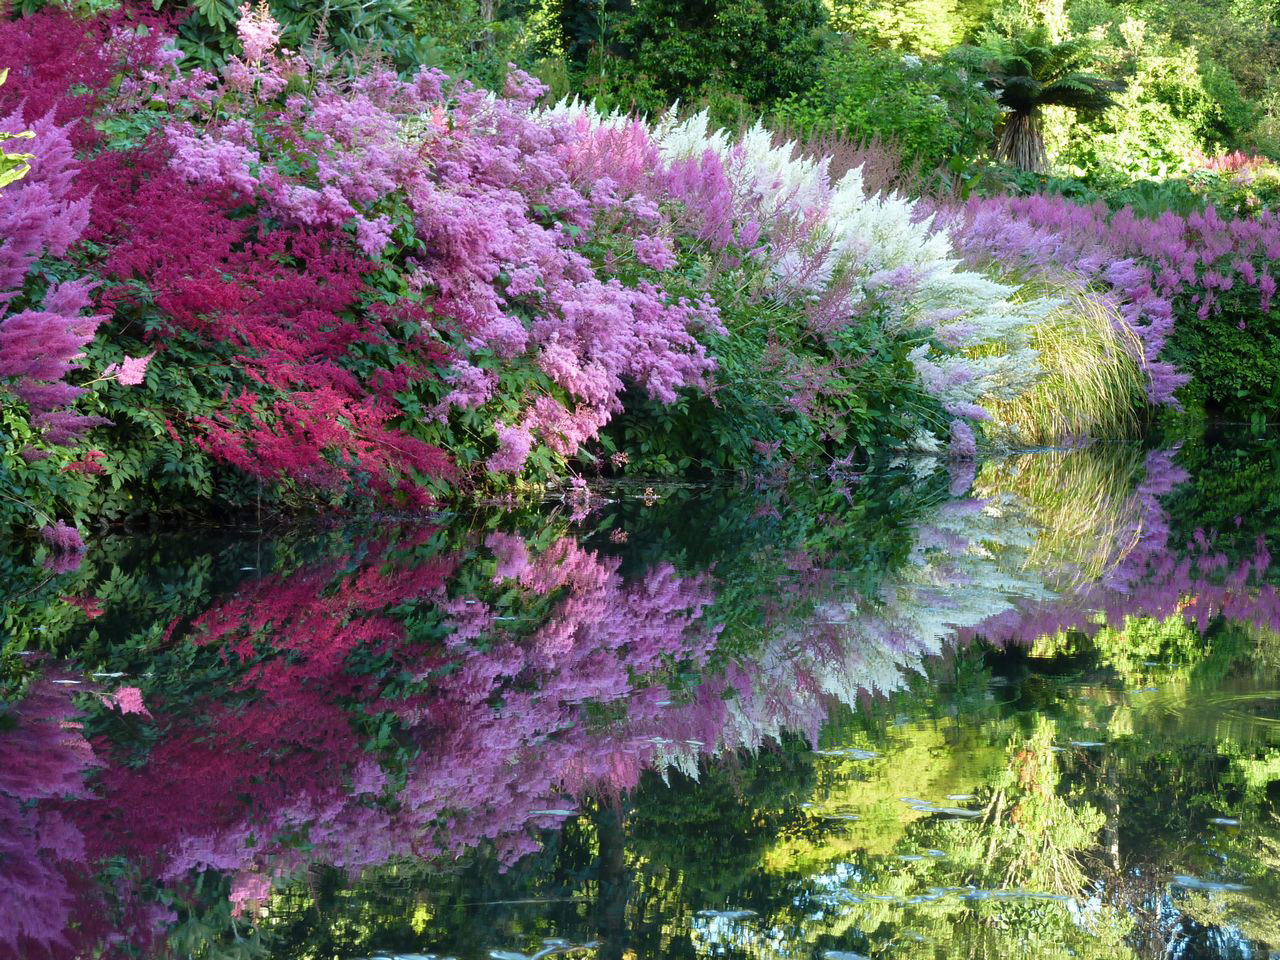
(1030, 710)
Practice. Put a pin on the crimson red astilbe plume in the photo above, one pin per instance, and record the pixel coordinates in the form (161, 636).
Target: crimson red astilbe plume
(289, 304)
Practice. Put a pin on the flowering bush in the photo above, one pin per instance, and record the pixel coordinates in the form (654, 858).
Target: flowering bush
(1198, 290)
(348, 285)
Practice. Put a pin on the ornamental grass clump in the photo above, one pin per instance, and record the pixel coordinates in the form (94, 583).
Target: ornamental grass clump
(1092, 383)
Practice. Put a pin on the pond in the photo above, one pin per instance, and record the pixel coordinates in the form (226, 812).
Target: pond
(1029, 708)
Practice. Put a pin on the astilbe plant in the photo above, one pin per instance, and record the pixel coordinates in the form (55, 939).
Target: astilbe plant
(467, 198)
(848, 258)
(1159, 273)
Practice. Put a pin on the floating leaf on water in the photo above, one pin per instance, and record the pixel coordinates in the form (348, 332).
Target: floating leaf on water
(842, 955)
(1087, 744)
(961, 797)
(1225, 821)
(553, 813)
(852, 753)
(1212, 886)
(910, 857)
(555, 942)
(935, 853)
(923, 806)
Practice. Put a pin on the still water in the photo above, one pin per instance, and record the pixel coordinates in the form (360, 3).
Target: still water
(1026, 710)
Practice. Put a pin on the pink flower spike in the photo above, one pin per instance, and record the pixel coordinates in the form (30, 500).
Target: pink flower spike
(133, 370)
(258, 31)
(128, 700)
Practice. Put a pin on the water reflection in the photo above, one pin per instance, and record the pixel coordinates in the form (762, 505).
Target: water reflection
(921, 714)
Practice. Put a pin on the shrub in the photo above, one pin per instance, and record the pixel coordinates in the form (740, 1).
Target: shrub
(1183, 284)
(668, 50)
(931, 111)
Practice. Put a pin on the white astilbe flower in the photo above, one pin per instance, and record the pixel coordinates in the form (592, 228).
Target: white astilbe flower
(839, 251)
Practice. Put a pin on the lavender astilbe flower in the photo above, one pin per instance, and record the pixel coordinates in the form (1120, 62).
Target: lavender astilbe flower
(41, 344)
(1147, 264)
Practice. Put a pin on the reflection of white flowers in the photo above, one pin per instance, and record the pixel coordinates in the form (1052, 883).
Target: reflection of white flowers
(911, 60)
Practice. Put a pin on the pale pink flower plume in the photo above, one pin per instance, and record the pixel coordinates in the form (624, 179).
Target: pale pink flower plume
(127, 700)
(131, 372)
(258, 31)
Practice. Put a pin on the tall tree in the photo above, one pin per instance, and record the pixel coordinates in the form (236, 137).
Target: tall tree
(1029, 71)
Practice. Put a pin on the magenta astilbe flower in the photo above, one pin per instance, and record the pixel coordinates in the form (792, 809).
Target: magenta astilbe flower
(514, 444)
(62, 538)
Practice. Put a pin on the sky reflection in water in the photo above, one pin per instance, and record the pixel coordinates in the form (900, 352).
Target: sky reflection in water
(933, 713)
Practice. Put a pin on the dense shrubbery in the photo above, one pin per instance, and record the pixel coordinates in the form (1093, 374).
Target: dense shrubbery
(936, 114)
(327, 284)
(300, 279)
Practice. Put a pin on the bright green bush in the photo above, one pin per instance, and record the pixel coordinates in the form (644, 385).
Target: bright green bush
(1233, 357)
(659, 51)
(932, 111)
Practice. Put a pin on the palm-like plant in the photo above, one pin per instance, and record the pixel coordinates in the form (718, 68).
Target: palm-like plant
(1029, 71)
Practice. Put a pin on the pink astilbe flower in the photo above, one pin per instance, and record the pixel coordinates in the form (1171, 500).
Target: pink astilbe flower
(127, 700)
(41, 344)
(654, 252)
(964, 445)
(62, 537)
(130, 372)
(258, 31)
(514, 444)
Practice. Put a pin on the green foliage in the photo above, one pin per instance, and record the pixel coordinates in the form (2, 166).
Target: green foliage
(783, 394)
(1232, 355)
(929, 27)
(13, 166)
(1028, 71)
(382, 27)
(932, 111)
(1164, 116)
(659, 51)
